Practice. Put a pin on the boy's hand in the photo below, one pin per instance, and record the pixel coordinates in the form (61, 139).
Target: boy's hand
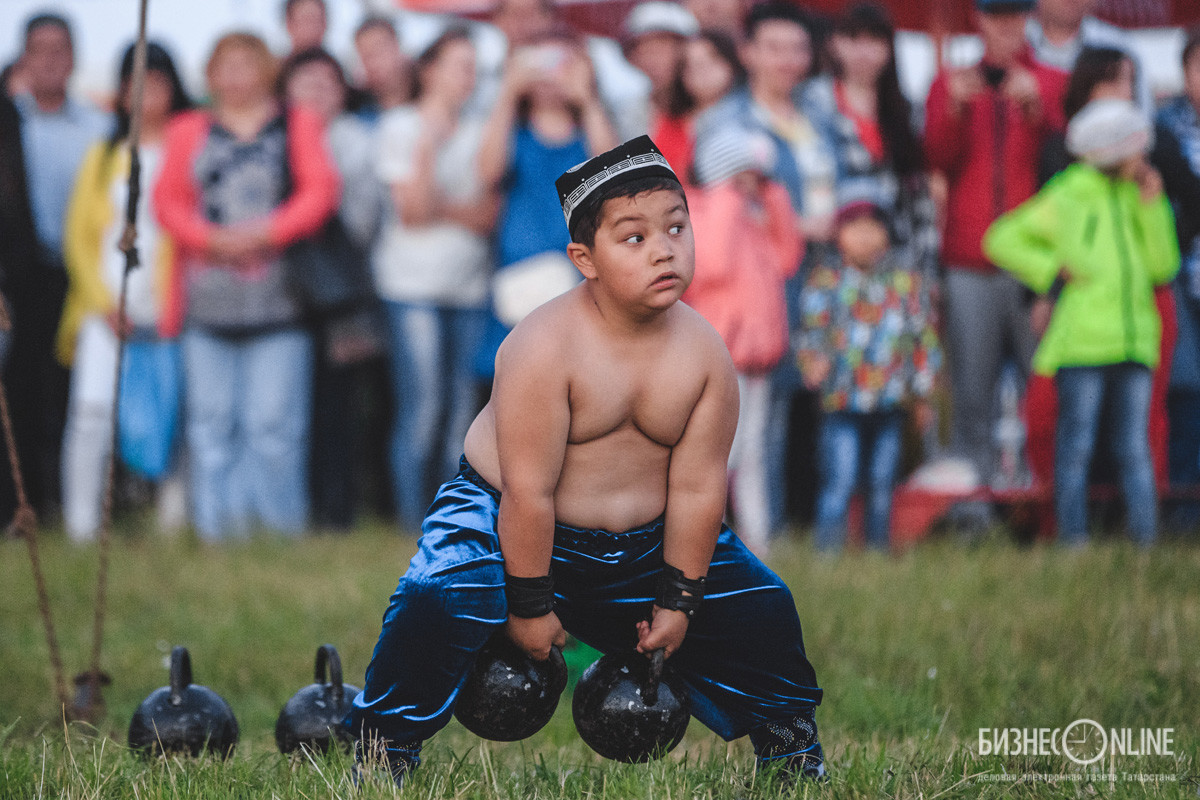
(535, 635)
(666, 629)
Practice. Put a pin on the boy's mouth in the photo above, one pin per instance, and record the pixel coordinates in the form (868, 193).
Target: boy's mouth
(665, 280)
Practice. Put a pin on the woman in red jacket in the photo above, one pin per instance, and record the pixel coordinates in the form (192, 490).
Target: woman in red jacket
(241, 181)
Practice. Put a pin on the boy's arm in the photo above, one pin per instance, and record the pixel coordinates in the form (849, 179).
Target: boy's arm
(532, 421)
(696, 488)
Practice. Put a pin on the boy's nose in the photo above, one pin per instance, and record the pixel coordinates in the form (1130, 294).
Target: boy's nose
(664, 249)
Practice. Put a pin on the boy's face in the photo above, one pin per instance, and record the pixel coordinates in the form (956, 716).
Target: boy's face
(862, 240)
(644, 255)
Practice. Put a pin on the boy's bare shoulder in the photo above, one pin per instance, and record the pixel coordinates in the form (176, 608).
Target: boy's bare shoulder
(542, 337)
(697, 334)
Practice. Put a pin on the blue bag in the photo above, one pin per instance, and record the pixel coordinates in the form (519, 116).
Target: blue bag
(148, 419)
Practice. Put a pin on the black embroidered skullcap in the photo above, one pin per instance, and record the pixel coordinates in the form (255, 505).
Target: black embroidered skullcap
(638, 158)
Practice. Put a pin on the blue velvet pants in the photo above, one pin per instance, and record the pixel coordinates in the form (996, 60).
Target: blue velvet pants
(743, 658)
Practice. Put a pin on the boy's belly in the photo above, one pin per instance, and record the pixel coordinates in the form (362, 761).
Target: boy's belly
(615, 483)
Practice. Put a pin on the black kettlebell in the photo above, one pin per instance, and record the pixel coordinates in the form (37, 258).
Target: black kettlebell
(183, 717)
(509, 695)
(313, 717)
(631, 709)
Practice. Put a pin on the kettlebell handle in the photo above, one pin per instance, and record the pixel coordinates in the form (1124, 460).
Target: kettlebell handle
(181, 673)
(327, 655)
(654, 676)
(560, 669)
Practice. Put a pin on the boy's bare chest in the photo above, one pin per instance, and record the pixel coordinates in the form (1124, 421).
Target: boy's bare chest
(653, 397)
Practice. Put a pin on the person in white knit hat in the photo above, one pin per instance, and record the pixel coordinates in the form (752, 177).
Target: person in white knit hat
(1097, 240)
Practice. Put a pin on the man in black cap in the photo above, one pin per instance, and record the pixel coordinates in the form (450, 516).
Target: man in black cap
(591, 496)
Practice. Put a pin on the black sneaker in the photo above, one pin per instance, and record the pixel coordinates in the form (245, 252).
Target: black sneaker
(791, 748)
(380, 759)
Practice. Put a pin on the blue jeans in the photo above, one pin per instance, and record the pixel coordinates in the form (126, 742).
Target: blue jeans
(848, 442)
(1122, 393)
(248, 405)
(434, 389)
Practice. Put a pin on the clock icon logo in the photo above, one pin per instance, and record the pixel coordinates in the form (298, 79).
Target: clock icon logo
(1085, 741)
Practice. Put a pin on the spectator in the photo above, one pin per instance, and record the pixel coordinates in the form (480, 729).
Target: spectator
(747, 246)
(872, 124)
(306, 22)
(386, 74)
(724, 16)
(1101, 73)
(521, 23)
(1076, 239)
(431, 266)
(18, 240)
(867, 343)
(1177, 156)
(56, 131)
(223, 196)
(710, 70)
(778, 56)
(985, 125)
(547, 119)
(87, 336)
(654, 37)
(1060, 30)
(313, 79)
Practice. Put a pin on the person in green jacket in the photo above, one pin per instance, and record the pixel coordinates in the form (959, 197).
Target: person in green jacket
(1098, 238)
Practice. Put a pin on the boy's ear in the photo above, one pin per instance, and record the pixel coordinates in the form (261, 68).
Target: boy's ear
(581, 257)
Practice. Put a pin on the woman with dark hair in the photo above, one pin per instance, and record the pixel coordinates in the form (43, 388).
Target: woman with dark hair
(314, 79)
(872, 124)
(87, 334)
(710, 69)
(432, 265)
(240, 183)
(547, 119)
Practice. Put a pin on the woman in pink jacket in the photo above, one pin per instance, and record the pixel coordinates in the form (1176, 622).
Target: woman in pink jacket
(239, 182)
(748, 244)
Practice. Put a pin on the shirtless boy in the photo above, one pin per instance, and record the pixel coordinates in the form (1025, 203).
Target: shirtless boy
(591, 497)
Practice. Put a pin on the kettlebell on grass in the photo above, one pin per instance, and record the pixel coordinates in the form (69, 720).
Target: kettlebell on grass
(183, 717)
(631, 709)
(509, 695)
(313, 717)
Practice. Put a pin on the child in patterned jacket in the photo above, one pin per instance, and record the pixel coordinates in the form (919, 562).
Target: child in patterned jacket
(868, 344)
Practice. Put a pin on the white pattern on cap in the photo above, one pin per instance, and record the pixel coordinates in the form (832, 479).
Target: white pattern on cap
(581, 192)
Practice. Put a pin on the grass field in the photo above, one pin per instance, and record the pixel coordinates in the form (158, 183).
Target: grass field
(915, 653)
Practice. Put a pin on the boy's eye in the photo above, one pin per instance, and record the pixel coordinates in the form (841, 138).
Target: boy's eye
(636, 238)
(677, 228)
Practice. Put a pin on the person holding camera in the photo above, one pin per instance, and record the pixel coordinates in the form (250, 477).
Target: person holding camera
(985, 125)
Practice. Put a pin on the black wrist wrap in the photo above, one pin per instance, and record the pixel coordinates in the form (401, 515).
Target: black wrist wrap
(529, 597)
(678, 593)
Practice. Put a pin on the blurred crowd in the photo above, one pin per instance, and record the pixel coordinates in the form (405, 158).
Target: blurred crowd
(1001, 283)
